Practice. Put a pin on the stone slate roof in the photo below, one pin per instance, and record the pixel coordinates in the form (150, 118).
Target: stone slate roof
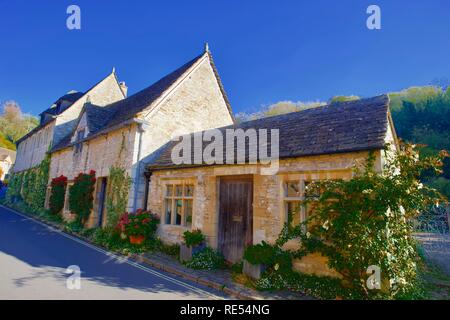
(119, 112)
(337, 128)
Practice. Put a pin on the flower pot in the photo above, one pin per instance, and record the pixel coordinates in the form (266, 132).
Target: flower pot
(186, 252)
(137, 239)
(253, 271)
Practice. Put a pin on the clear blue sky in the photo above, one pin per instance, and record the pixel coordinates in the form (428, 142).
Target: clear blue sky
(266, 51)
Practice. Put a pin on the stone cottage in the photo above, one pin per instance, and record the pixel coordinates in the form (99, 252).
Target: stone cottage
(126, 133)
(236, 205)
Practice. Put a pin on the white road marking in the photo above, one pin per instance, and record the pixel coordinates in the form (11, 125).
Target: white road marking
(118, 258)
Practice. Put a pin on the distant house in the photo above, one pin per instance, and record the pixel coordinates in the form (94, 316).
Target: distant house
(7, 158)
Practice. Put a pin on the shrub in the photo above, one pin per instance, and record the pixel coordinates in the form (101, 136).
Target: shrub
(81, 195)
(58, 191)
(193, 238)
(207, 259)
(271, 256)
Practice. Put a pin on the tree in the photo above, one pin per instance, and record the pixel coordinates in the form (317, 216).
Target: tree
(13, 123)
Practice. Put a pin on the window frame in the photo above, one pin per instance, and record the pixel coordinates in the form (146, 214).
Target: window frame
(173, 198)
(79, 145)
(301, 199)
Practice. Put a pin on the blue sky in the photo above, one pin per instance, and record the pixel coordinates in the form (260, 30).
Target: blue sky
(265, 51)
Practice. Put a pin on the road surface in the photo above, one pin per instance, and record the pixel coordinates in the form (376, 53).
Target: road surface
(34, 259)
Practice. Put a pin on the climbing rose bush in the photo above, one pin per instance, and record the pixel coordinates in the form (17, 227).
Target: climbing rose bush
(81, 195)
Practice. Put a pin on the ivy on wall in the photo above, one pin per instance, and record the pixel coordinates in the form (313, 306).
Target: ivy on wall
(81, 196)
(117, 194)
(57, 196)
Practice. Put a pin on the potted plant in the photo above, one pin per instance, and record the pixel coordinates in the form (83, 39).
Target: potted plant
(256, 259)
(194, 241)
(138, 227)
(263, 256)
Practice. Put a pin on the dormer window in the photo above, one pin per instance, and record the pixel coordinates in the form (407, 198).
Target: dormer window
(79, 136)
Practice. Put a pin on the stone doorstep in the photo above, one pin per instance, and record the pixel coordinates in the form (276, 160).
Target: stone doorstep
(229, 287)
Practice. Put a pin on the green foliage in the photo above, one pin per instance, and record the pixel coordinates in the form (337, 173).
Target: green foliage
(74, 226)
(169, 249)
(206, 259)
(81, 196)
(237, 267)
(272, 256)
(422, 116)
(193, 238)
(117, 195)
(30, 185)
(14, 187)
(58, 192)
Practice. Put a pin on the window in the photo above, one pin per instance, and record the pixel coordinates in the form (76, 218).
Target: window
(178, 204)
(79, 145)
(295, 194)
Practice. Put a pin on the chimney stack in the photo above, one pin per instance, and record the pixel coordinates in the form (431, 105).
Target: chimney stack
(124, 87)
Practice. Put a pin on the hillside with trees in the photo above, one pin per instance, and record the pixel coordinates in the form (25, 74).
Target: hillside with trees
(14, 124)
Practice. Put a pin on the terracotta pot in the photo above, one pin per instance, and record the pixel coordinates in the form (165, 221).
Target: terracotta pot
(137, 239)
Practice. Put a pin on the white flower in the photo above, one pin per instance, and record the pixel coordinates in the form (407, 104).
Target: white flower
(308, 235)
(326, 225)
(367, 191)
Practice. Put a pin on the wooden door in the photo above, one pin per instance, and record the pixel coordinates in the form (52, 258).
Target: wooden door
(235, 216)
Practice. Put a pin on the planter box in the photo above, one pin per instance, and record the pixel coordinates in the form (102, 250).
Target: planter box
(186, 252)
(253, 271)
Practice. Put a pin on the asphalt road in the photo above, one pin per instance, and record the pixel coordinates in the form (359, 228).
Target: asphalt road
(34, 259)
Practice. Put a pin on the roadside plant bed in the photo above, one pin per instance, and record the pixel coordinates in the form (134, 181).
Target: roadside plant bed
(194, 241)
(81, 196)
(57, 196)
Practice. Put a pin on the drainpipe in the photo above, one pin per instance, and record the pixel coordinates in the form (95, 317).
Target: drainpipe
(137, 174)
